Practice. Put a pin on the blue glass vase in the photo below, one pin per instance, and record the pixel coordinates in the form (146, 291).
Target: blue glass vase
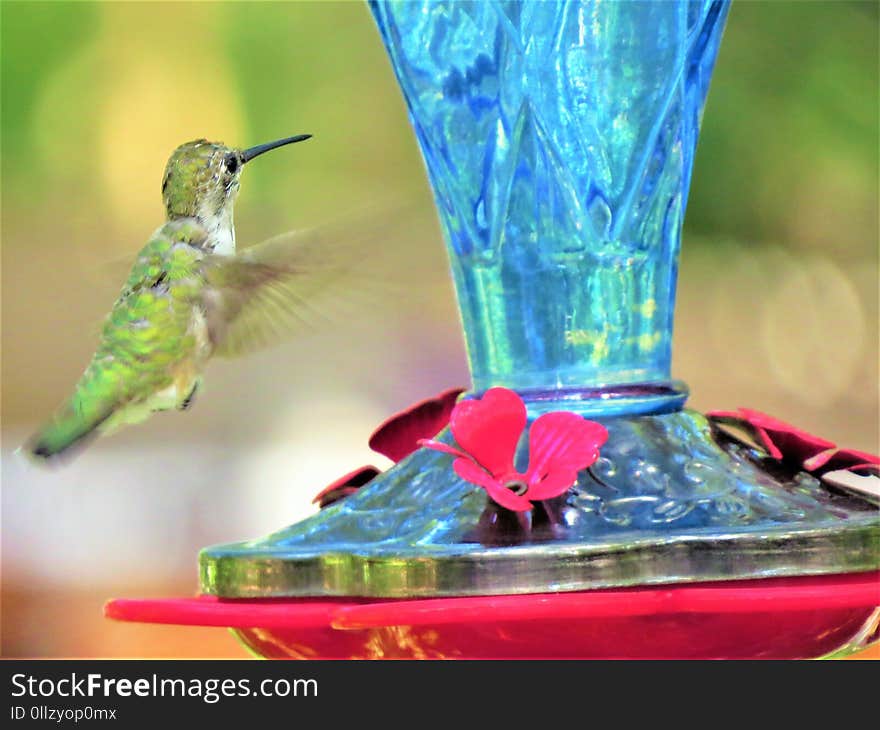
(559, 139)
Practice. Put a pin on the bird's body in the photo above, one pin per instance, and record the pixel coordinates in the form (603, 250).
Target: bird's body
(185, 297)
(154, 343)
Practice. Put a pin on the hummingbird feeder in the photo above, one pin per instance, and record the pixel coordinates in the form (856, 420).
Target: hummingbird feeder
(573, 507)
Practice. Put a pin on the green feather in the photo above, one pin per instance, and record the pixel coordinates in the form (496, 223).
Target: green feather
(143, 337)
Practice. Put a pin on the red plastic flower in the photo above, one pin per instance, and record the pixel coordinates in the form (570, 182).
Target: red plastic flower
(396, 438)
(786, 443)
(488, 431)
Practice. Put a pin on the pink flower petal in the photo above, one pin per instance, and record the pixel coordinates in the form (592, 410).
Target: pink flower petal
(787, 443)
(795, 445)
(564, 442)
(473, 473)
(445, 448)
(555, 483)
(398, 436)
(735, 418)
(815, 463)
(490, 427)
(847, 459)
(781, 440)
(345, 485)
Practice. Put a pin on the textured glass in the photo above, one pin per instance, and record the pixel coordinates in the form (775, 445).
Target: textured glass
(559, 139)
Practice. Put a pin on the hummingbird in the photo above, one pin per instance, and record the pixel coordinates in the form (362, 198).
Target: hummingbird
(188, 297)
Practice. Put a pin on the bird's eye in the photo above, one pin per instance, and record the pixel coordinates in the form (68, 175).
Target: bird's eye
(231, 163)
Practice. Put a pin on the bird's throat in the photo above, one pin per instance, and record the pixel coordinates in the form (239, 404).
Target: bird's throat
(221, 233)
(222, 241)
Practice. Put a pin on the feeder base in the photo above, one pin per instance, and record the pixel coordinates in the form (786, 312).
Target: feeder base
(671, 500)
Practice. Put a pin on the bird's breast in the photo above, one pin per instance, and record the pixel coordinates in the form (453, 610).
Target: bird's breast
(199, 330)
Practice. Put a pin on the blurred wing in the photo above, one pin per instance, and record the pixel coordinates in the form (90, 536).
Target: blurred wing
(297, 281)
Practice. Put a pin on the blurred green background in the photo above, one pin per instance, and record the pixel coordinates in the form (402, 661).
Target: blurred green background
(777, 304)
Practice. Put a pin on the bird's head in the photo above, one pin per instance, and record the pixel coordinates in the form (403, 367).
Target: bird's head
(202, 178)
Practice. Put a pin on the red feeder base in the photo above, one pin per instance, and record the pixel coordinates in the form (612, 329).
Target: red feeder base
(783, 618)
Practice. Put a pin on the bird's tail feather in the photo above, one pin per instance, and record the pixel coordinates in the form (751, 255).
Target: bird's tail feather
(72, 424)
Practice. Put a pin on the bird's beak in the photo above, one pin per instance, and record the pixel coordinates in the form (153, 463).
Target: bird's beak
(251, 152)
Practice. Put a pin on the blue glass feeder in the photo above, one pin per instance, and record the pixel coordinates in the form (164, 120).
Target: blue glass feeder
(559, 138)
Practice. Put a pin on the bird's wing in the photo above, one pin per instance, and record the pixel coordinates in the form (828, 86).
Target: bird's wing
(297, 281)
